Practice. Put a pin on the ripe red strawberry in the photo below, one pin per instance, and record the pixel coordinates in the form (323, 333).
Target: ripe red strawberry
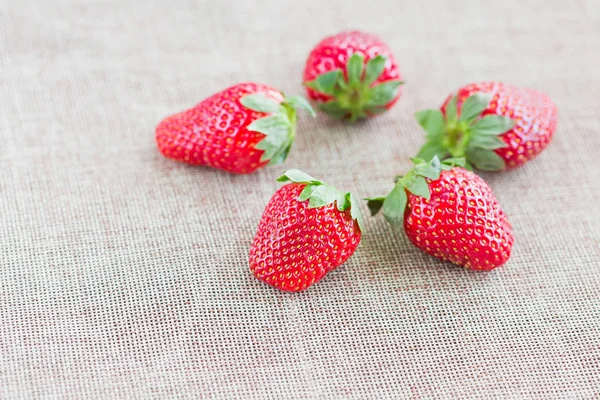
(450, 213)
(352, 75)
(308, 229)
(239, 129)
(494, 125)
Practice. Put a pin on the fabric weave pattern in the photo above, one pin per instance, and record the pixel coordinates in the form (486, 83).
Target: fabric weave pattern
(125, 275)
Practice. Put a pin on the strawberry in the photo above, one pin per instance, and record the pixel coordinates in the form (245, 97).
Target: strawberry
(308, 229)
(239, 129)
(494, 125)
(352, 75)
(450, 213)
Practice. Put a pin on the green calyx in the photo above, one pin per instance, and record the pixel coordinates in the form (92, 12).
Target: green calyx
(354, 94)
(466, 134)
(319, 194)
(279, 127)
(415, 182)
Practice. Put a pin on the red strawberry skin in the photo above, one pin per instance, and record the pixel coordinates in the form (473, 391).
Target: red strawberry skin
(296, 246)
(334, 51)
(214, 133)
(461, 222)
(534, 113)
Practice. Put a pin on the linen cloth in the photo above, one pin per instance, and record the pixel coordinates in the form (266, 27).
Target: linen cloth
(124, 274)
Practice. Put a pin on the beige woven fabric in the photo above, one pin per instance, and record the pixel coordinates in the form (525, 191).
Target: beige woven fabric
(124, 275)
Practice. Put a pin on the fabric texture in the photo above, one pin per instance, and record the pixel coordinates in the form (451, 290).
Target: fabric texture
(125, 275)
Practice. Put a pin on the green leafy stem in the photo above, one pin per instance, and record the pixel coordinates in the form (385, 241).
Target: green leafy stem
(355, 94)
(279, 127)
(468, 135)
(415, 182)
(320, 194)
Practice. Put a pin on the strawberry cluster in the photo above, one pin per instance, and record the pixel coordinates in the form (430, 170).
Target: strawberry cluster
(309, 227)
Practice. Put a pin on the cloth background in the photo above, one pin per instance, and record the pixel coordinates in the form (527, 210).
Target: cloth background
(124, 275)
